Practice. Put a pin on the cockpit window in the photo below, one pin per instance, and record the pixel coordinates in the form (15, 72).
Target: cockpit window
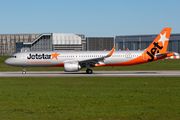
(13, 57)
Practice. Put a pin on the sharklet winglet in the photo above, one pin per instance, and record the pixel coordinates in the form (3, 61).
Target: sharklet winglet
(112, 51)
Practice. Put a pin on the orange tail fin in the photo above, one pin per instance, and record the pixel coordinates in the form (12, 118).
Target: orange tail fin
(159, 45)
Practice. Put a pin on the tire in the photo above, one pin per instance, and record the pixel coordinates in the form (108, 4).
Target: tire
(89, 71)
(23, 72)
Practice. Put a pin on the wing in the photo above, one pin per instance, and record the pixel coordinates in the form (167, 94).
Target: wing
(94, 61)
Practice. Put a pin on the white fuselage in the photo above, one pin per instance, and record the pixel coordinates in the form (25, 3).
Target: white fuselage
(43, 59)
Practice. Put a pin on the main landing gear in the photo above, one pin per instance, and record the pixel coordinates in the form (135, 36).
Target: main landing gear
(24, 70)
(88, 71)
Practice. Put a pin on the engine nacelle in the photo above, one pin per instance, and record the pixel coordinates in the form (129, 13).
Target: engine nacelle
(71, 66)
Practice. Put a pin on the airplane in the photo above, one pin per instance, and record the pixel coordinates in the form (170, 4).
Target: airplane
(73, 61)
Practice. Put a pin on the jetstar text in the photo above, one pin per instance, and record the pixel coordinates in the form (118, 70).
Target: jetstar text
(153, 51)
(39, 56)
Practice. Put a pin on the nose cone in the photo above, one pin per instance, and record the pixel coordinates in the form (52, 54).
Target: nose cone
(8, 61)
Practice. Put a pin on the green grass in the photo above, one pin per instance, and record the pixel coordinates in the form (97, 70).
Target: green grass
(90, 98)
(166, 64)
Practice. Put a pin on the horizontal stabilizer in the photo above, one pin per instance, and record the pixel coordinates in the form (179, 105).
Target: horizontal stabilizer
(168, 54)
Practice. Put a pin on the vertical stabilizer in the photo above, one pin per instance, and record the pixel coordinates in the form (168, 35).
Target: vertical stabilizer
(161, 41)
(159, 45)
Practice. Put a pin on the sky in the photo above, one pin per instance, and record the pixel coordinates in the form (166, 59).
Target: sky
(93, 18)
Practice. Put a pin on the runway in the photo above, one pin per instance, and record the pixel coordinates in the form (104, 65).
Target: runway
(94, 74)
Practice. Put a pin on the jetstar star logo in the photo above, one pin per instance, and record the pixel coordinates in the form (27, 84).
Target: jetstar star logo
(55, 56)
(163, 38)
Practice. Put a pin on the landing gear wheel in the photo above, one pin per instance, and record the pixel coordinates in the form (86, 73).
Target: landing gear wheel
(89, 71)
(24, 72)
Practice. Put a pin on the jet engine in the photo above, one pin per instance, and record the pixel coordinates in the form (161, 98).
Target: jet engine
(71, 66)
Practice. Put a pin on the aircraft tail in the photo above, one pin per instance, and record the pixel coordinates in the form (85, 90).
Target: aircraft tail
(159, 45)
(161, 41)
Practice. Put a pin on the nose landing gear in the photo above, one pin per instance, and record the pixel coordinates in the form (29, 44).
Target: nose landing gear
(24, 70)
